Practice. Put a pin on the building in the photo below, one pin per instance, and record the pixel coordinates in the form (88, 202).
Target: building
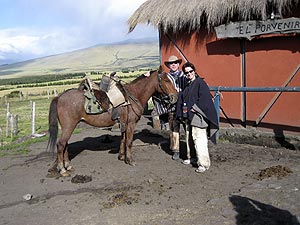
(252, 44)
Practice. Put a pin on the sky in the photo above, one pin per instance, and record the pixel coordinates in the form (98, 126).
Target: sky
(36, 28)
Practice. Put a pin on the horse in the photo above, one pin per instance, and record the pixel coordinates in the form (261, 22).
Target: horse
(68, 109)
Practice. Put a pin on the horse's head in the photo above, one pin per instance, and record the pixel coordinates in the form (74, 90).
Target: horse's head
(166, 88)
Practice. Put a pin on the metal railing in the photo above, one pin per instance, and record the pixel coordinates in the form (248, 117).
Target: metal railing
(279, 90)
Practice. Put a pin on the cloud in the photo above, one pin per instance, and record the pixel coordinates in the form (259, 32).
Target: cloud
(40, 28)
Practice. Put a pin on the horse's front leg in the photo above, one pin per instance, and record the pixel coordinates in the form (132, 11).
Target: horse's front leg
(122, 147)
(128, 140)
(67, 163)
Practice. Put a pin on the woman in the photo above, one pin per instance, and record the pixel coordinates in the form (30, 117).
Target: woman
(195, 105)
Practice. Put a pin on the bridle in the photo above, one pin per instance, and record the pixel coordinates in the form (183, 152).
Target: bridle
(167, 98)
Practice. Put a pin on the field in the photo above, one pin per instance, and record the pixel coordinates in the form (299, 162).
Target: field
(21, 97)
(39, 80)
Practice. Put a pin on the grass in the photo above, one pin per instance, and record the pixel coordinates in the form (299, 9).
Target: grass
(16, 148)
(97, 58)
(17, 144)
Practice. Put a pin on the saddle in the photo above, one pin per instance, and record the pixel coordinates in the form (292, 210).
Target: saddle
(107, 95)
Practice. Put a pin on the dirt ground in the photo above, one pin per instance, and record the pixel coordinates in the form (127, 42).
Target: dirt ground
(246, 184)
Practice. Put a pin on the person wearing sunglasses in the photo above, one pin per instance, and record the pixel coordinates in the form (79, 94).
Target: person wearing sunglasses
(168, 114)
(196, 107)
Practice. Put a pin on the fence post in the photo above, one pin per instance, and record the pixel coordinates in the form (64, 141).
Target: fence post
(14, 124)
(7, 119)
(20, 95)
(1, 137)
(32, 117)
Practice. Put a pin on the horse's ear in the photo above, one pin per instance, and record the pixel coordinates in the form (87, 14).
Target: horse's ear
(112, 74)
(160, 69)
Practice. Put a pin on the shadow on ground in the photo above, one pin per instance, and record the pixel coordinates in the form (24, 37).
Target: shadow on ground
(111, 143)
(252, 212)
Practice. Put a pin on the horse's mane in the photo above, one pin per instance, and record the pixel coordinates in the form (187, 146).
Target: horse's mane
(141, 77)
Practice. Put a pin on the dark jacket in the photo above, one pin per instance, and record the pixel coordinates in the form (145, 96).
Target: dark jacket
(197, 95)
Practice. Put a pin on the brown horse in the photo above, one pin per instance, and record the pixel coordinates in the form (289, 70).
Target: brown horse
(68, 109)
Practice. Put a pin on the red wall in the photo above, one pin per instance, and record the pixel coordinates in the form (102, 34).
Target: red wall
(270, 62)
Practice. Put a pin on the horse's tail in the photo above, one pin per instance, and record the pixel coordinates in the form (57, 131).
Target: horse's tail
(53, 124)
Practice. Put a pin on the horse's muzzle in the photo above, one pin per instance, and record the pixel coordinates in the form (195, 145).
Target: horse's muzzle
(170, 99)
(173, 98)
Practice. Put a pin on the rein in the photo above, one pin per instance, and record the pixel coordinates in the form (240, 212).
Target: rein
(136, 101)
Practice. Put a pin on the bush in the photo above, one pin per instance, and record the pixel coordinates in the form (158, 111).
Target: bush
(14, 94)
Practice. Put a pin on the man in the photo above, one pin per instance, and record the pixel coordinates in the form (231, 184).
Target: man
(179, 81)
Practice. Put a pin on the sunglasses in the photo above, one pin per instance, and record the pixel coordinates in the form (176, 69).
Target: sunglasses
(187, 72)
(175, 62)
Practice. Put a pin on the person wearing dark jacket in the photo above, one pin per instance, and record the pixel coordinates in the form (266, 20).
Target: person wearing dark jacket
(195, 106)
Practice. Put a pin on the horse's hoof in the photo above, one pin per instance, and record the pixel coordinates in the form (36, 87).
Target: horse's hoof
(121, 157)
(70, 168)
(65, 174)
(130, 162)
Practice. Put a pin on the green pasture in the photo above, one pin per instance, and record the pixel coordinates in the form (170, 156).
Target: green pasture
(42, 95)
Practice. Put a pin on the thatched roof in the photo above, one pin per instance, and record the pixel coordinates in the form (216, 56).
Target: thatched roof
(192, 14)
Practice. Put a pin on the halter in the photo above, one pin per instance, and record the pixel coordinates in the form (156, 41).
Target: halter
(168, 98)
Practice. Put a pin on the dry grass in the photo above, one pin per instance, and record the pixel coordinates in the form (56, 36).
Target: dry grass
(194, 14)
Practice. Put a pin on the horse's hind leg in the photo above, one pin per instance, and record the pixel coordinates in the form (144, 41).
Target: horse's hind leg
(61, 145)
(63, 162)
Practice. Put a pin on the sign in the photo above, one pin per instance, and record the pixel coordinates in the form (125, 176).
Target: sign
(249, 29)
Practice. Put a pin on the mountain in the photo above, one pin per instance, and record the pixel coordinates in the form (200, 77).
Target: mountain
(130, 54)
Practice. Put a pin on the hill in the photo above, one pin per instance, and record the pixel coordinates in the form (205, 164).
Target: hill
(130, 55)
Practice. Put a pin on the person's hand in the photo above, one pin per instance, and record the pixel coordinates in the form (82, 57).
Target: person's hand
(147, 74)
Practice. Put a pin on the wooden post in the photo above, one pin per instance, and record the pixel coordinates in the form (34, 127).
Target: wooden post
(33, 118)
(20, 95)
(1, 137)
(14, 124)
(7, 119)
